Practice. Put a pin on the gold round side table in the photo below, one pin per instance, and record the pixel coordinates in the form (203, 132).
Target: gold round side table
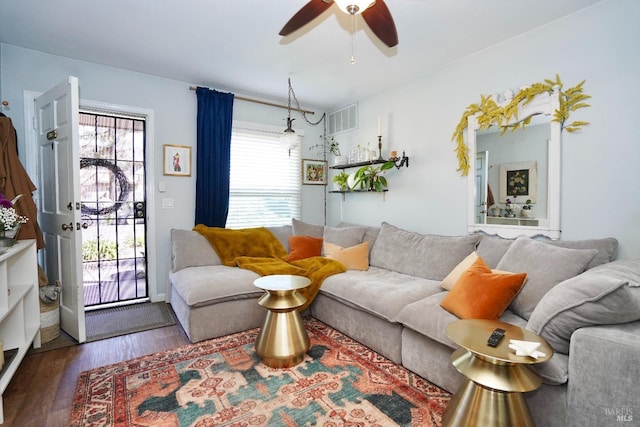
(282, 341)
(496, 377)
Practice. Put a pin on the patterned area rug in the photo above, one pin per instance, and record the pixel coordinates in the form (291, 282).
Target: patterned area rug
(221, 382)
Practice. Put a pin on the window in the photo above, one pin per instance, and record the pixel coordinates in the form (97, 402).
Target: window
(265, 181)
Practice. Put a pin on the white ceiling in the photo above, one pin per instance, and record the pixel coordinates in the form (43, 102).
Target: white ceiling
(234, 45)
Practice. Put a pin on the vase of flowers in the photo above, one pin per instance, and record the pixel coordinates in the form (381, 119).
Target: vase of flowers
(510, 208)
(9, 220)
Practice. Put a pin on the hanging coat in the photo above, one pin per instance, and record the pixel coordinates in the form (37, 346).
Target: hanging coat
(14, 180)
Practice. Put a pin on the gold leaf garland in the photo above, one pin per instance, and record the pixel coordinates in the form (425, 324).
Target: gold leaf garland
(489, 113)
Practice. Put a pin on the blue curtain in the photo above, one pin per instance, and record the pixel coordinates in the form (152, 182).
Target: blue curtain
(215, 115)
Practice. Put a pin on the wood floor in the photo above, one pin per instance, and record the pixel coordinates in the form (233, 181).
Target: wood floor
(41, 392)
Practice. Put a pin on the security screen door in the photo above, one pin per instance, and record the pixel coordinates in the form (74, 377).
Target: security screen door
(112, 191)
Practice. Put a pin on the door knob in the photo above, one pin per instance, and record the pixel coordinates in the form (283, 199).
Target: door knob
(85, 225)
(66, 227)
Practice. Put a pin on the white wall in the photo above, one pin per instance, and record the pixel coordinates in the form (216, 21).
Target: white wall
(174, 107)
(600, 172)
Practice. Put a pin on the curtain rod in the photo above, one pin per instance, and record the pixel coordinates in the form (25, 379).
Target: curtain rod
(257, 101)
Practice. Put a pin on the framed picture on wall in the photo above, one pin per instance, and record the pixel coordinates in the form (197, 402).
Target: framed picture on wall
(314, 172)
(520, 180)
(176, 160)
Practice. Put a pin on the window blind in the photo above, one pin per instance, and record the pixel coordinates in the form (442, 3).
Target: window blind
(265, 181)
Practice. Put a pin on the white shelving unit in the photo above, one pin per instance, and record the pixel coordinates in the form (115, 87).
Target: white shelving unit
(19, 308)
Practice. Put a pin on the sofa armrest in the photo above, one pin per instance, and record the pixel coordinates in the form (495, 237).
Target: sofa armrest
(603, 383)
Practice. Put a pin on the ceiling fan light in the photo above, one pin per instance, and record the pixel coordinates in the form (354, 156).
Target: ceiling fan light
(354, 7)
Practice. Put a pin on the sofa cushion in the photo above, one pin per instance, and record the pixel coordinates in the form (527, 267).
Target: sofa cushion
(191, 249)
(251, 242)
(370, 234)
(302, 247)
(282, 233)
(304, 229)
(354, 258)
(426, 317)
(607, 294)
(377, 291)
(344, 236)
(607, 248)
(482, 294)
(545, 265)
(199, 286)
(493, 248)
(427, 256)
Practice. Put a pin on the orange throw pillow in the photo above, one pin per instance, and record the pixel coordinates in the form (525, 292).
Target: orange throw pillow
(482, 294)
(301, 247)
(354, 257)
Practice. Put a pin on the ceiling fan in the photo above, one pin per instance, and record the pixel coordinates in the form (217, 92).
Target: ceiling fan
(375, 13)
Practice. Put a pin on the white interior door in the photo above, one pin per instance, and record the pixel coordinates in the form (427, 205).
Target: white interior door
(481, 187)
(60, 216)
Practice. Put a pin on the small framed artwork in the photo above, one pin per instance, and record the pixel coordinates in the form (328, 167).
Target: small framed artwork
(176, 160)
(314, 172)
(520, 180)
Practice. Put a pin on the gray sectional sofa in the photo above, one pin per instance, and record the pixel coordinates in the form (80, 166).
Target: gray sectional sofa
(577, 296)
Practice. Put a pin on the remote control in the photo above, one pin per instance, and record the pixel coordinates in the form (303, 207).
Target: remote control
(495, 337)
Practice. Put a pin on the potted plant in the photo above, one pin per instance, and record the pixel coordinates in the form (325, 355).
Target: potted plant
(526, 209)
(370, 177)
(341, 180)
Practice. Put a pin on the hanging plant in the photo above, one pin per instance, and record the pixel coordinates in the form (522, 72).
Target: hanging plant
(489, 113)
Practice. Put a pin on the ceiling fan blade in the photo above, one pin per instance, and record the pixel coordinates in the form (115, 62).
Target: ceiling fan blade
(305, 15)
(379, 19)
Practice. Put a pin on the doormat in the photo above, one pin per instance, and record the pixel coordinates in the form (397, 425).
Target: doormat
(113, 322)
(222, 382)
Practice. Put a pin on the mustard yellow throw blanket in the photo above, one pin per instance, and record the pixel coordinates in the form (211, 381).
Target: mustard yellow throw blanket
(258, 250)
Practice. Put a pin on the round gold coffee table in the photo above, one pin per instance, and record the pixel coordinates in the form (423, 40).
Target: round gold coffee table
(496, 377)
(282, 341)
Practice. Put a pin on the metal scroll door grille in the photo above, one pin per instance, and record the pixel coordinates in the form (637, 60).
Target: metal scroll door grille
(112, 190)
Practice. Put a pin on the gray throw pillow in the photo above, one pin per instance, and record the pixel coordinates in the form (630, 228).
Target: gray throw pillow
(545, 265)
(427, 256)
(303, 229)
(191, 249)
(607, 248)
(492, 248)
(282, 233)
(604, 295)
(344, 236)
(370, 234)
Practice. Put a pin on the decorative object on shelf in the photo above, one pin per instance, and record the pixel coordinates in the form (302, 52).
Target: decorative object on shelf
(404, 160)
(526, 209)
(9, 219)
(314, 172)
(371, 177)
(332, 146)
(342, 180)
(490, 113)
(510, 208)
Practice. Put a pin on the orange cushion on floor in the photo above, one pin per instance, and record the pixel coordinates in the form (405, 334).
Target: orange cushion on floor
(481, 294)
(301, 247)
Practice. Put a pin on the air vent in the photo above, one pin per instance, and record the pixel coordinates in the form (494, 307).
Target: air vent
(343, 120)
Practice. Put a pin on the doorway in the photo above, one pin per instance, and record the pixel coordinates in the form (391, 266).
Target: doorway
(113, 209)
